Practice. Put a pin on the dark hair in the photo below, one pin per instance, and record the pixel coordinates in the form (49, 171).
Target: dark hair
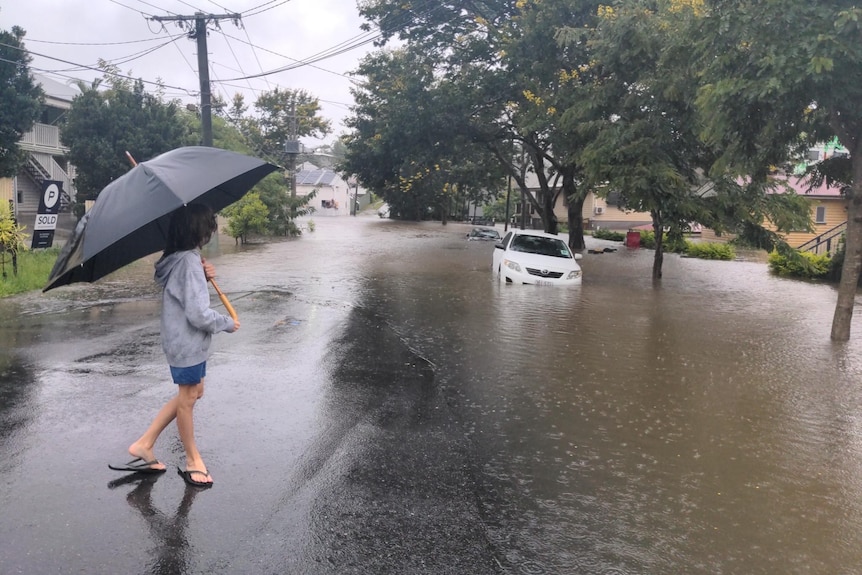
(191, 227)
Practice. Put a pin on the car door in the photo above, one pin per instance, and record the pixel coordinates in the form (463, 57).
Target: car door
(499, 251)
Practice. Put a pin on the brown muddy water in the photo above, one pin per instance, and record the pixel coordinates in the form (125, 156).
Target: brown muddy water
(703, 424)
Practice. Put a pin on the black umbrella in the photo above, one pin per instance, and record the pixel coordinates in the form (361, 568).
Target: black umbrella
(130, 218)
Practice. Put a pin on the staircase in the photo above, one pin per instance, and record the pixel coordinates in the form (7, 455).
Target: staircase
(826, 243)
(39, 171)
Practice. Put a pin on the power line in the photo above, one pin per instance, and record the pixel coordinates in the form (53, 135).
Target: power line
(144, 14)
(246, 13)
(200, 36)
(340, 48)
(94, 68)
(28, 39)
(154, 6)
(275, 54)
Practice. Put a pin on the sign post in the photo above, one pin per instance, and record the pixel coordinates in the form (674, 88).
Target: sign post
(46, 217)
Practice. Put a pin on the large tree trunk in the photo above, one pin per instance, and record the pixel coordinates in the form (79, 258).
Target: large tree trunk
(575, 211)
(852, 258)
(659, 246)
(551, 223)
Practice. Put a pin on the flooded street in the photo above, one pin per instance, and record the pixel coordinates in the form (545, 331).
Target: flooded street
(388, 407)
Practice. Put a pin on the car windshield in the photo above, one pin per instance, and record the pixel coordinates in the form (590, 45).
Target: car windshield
(542, 246)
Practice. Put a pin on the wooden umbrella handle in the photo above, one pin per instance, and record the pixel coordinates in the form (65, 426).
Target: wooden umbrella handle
(225, 301)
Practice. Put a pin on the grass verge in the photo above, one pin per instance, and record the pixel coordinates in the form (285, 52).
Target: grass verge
(34, 266)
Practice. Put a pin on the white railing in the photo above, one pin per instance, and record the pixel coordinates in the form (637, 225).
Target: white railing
(43, 136)
(55, 171)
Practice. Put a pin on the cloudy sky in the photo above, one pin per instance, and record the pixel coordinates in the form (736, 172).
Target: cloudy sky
(318, 41)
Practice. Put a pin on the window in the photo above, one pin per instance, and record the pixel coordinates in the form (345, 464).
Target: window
(541, 246)
(820, 215)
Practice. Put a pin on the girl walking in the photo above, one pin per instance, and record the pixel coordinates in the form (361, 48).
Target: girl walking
(187, 325)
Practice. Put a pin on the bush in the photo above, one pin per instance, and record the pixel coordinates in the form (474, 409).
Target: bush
(710, 251)
(801, 265)
(648, 239)
(603, 234)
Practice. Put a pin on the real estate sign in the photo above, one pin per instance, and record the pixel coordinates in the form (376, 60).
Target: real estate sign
(46, 217)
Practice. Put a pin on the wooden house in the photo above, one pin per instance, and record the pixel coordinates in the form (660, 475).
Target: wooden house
(46, 161)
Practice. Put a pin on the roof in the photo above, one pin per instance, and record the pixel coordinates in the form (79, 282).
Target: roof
(55, 89)
(800, 186)
(311, 176)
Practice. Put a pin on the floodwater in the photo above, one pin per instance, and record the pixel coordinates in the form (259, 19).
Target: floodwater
(399, 411)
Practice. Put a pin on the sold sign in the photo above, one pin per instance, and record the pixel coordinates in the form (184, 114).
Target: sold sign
(46, 217)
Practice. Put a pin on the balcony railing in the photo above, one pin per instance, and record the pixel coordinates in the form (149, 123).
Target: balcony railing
(826, 243)
(42, 137)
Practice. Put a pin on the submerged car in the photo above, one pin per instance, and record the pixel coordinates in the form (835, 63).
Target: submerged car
(483, 234)
(533, 257)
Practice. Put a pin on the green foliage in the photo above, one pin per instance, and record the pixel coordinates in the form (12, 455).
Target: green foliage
(710, 250)
(247, 216)
(12, 236)
(283, 114)
(102, 125)
(34, 266)
(647, 239)
(604, 234)
(20, 99)
(801, 265)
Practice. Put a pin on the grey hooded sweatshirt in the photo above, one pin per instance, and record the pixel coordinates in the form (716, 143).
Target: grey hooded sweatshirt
(187, 320)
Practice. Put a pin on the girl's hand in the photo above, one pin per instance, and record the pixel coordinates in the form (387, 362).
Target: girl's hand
(235, 326)
(209, 269)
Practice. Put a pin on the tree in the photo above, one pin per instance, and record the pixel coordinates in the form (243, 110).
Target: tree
(285, 115)
(779, 76)
(20, 99)
(246, 216)
(103, 124)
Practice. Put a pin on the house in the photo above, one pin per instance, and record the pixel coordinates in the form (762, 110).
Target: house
(46, 161)
(828, 216)
(335, 196)
(604, 213)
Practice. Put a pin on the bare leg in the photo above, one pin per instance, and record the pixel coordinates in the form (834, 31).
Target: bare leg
(143, 447)
(186, 398)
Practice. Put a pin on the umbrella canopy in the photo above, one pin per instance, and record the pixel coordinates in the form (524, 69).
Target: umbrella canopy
(130, 217)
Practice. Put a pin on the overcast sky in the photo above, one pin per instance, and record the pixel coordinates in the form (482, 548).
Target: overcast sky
(272, 35)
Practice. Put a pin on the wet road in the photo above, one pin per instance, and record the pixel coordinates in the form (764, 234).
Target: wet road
(388, 408)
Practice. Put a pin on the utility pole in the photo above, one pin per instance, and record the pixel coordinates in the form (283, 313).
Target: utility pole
(199, 33)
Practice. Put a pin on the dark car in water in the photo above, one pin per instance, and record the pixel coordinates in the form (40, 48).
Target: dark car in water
(483, 234)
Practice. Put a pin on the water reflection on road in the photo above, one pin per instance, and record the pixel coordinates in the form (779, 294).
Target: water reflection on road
(705, 424)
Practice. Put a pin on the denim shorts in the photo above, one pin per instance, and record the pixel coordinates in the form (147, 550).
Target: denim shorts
(189, 375)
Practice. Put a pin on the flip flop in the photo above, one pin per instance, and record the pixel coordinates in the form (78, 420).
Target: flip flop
(187, 477)
(138, 465)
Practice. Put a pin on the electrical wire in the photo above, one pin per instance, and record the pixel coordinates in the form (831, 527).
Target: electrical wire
(260, 6)
(254, 52)
(96, 69)
(222, 7)
(238, 63)
(28, 39)
(144, 14)
(157, 7)
(340, 48)
(277, 54)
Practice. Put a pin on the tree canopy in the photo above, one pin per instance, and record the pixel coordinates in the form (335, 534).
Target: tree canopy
(779, 76)
(20, 99)
(103, 124)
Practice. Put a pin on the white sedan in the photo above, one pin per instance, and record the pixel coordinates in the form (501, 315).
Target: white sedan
(532, 257)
